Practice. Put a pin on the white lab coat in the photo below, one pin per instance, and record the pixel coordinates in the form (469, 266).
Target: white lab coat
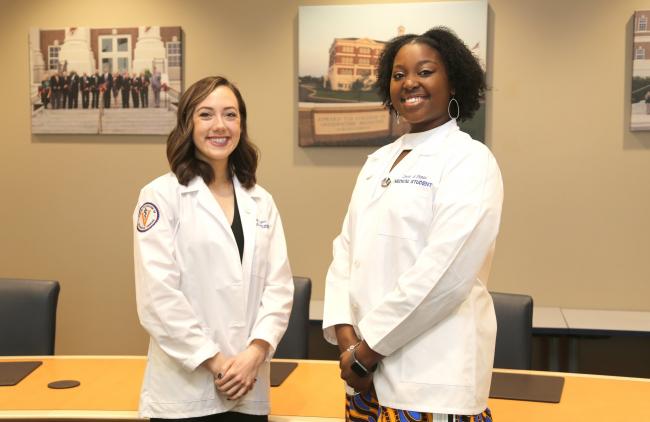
(405, 267)
(196, 298)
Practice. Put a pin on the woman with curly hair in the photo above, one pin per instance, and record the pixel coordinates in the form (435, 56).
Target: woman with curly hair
(406, 298)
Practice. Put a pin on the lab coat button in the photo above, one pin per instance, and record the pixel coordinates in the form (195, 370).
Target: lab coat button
(357, 264)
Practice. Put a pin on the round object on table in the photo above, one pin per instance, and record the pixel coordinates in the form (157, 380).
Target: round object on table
(57, 385)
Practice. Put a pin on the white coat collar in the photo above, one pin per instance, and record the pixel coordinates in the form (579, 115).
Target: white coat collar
(246, 200)
(430, 140)
(424, 143)
(197, 184)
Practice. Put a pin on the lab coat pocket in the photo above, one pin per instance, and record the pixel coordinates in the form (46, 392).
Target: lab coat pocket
(440, 356)
(407, 213)
(175, 384)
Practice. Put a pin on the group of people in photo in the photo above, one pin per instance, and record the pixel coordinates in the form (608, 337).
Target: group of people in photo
(62, 89)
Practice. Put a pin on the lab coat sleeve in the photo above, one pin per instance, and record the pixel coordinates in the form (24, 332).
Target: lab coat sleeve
(336, 308)
(466, 216)
(164, 311)
(277, 297)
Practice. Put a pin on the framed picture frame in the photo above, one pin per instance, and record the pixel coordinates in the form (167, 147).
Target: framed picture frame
(122, 80)
(640, 95)
(338, 51)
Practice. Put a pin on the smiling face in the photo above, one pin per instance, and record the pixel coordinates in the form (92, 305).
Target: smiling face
(217, 127)
(419, 87)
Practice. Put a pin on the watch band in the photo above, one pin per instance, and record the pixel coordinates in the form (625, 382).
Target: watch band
(358, 367)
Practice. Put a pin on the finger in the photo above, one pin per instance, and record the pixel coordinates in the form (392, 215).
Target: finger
(226, 377)
(219, 383)
(228, 387)
(232, 393)
(229, 365)
(227, 384)
(246, 388)
(240, 393)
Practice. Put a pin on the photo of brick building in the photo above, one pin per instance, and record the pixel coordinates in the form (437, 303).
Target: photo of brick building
(339, 47)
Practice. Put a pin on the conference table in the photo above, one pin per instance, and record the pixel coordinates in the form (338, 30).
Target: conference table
(313, 392)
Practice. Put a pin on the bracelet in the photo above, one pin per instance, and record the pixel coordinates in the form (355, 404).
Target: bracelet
(352, 347)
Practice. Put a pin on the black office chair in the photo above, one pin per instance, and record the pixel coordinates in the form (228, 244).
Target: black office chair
(514, 330)
(295, 343)
(27, 316)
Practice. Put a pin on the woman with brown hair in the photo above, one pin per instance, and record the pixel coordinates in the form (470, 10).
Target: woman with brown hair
(213, 284)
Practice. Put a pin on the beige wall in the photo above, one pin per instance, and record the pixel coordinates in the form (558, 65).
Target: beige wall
(576, 219)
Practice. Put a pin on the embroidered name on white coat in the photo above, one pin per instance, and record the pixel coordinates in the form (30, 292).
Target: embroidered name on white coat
(263, 224)
(414, 179)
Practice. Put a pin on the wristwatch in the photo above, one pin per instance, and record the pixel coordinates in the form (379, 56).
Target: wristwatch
(357, 366)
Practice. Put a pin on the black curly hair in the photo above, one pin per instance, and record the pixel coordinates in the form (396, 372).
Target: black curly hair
(466, 77)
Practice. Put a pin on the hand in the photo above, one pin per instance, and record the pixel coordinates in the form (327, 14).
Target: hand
(241, 374)
(360, 384)
(367, 357)
(218, 364)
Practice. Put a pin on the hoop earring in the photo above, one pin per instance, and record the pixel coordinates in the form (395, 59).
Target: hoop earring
(454, 100)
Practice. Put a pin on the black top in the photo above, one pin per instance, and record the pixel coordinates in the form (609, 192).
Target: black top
(238, 230)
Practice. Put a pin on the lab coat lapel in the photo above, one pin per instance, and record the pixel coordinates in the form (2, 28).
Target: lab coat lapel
(207, 200)
(379, 170)
(248, 214)
(430, 146)
(410, 161)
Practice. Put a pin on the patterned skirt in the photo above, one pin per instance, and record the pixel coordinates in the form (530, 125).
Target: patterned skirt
(364, 407)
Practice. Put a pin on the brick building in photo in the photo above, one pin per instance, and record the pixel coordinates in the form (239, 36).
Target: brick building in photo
(352, 59)
(641, 53)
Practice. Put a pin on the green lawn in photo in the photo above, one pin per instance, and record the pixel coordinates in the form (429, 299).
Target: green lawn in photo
(315, 93)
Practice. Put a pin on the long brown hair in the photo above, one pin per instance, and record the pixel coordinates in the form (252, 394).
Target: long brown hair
(181, 152)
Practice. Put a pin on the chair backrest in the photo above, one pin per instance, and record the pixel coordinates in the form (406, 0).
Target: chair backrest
(27, 316)
(514, 330)
(295, 343)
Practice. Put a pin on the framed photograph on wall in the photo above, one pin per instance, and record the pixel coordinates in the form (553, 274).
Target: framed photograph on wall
(338, 50)
(105, 80)
(640, 97)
